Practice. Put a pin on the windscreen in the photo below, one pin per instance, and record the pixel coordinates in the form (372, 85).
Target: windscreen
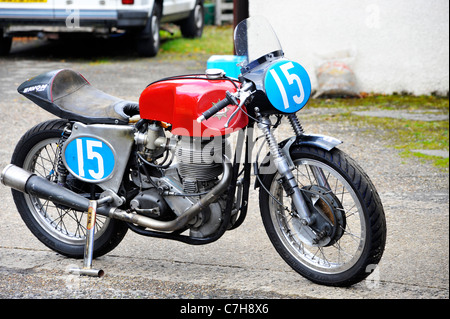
(254, 38)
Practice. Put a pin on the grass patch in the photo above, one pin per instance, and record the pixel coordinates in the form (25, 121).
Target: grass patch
(386, 102)
(100, 61)
(215, 40)
(405, 135)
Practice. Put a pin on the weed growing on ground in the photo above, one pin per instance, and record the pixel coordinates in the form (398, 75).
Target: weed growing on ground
(405, 135)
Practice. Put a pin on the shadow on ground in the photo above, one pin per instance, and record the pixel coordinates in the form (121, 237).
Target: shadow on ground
(75, 47)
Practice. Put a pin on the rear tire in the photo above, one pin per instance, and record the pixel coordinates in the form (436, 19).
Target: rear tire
(60, 228)
(356, 211)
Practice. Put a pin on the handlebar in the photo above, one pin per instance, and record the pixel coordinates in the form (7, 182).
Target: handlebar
(229, 99)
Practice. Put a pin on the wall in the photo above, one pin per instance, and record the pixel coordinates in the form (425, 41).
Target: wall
(399, 45)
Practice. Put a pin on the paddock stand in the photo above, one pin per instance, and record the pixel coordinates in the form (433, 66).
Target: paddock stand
(87, 269)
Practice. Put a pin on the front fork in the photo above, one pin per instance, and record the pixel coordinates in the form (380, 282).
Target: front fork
(284, 169)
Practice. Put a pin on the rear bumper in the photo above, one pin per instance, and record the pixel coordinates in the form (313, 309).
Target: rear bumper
(72, 19)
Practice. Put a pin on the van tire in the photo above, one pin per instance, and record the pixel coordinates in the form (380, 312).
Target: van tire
(149, 40)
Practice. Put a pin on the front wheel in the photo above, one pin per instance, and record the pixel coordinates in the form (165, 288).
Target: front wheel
(346, 208)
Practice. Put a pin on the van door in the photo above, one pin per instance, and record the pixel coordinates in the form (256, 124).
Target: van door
(177, 8)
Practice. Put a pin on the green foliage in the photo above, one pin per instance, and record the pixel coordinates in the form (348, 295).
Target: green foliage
(387, 102)
(215, 40)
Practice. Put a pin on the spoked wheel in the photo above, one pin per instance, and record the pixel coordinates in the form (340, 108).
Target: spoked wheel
(60, 228)
(348, 218)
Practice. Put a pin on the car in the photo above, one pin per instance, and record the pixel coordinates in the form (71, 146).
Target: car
(139, 18)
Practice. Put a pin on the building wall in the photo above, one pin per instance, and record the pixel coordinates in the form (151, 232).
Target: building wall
(397, 45)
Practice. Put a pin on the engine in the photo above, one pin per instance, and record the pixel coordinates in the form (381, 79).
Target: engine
(199, 163)
(195, 170)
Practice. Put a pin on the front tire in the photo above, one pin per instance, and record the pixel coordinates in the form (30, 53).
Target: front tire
(60, 228)
(349, 199)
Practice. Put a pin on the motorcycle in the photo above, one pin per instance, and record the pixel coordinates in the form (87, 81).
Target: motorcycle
(165, 167)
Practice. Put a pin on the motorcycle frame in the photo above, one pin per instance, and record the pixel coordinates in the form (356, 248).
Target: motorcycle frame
(320, 141)
(231, 191)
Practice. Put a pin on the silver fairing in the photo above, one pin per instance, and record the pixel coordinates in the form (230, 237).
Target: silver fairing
(118, 139)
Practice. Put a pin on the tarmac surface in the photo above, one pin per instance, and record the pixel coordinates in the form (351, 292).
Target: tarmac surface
(242, 264)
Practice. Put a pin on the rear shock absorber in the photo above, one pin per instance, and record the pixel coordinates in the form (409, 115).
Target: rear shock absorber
(61, 169)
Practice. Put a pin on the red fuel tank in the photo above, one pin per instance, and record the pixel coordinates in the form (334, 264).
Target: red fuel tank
(180, 101)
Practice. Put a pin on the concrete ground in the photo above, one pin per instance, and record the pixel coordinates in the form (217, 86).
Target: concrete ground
(243, 263)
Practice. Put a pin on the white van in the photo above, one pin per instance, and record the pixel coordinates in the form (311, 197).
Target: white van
(141, 18)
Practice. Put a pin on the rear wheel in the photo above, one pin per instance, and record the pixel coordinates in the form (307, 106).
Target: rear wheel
(347, 211)
(60, 228)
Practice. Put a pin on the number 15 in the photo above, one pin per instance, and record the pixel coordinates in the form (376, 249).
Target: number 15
(291, 78)
(90, 144)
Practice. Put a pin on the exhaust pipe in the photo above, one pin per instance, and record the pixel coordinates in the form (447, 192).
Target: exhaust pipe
(29, 183)
(184, 218)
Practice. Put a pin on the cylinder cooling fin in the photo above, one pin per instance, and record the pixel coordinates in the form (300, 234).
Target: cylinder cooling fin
(196, 161)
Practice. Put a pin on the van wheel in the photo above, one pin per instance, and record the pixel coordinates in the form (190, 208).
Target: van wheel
(192, 27)
(5, 43)
(149, 40)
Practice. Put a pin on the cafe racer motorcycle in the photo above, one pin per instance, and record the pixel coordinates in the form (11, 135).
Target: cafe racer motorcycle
(165, 167)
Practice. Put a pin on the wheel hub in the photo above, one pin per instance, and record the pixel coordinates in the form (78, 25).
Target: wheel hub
(327, 215)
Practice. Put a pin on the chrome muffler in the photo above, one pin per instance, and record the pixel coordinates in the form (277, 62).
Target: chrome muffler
(29, 183)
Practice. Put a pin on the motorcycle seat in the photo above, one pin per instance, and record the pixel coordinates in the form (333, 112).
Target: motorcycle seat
(67, 94)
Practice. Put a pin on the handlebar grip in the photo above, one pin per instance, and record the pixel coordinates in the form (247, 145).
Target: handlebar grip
(230, 99)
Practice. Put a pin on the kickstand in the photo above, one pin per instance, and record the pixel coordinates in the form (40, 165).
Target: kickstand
(87, 269)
